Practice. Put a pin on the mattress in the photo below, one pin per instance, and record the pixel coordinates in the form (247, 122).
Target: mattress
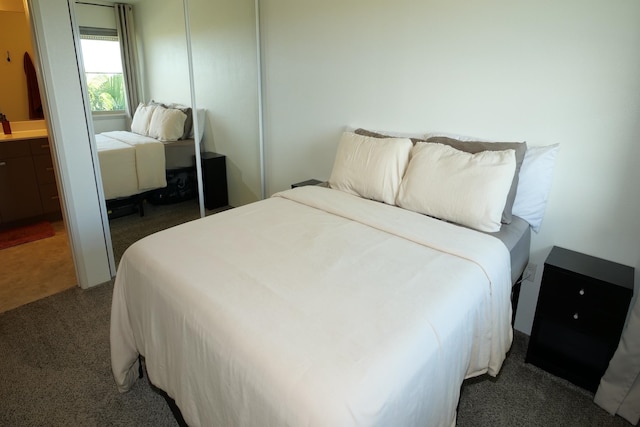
(313, 307)
(517, 238)
(180, 154)
(130, 163)
(117, 167)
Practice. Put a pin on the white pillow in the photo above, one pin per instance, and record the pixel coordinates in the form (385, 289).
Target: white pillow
(468, 189)
(167, 124)
(142, 119)
(370, 167)
(535, 184)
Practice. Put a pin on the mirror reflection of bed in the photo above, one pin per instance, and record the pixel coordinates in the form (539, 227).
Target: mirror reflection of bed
(224, 89)
(147, 160)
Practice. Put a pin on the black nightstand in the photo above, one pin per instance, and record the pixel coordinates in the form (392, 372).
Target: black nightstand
(307, 182)
(214, 180)
(582, 306)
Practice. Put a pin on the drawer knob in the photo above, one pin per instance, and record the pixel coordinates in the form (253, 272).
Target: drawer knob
(3, 163)
(581, 292)
(575, 316)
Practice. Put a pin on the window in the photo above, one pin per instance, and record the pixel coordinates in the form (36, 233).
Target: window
(103, 69)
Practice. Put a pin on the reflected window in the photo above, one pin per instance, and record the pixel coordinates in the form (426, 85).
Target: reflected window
(103, 69)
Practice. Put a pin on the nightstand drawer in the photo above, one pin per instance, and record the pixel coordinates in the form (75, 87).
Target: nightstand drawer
(568, 289)
(596, 323)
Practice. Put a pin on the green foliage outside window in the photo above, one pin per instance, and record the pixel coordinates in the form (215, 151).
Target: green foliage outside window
(106, 92)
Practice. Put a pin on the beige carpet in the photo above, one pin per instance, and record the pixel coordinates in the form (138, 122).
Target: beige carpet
(35, 270)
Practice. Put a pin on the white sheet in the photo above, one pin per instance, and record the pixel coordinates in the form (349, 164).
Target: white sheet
(130, 163)
(313, 308)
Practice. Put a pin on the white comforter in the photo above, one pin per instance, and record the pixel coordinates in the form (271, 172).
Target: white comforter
(130, 163)
(315, 308)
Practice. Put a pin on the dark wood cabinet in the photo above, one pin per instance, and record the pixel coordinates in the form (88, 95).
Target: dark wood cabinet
(19, 195)
(214, 180)
(45, 175)
(582, 307)
(27, 181)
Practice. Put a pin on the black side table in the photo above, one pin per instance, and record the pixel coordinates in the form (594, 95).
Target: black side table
(582, 307)
(214, 180)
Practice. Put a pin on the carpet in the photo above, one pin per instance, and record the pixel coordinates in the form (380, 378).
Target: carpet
(25, 234)
(55, 371)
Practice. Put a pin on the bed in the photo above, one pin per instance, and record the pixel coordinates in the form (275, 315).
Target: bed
(134, 162)
(319, 306)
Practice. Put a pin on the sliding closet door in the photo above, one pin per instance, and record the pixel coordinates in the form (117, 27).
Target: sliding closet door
(226, 81)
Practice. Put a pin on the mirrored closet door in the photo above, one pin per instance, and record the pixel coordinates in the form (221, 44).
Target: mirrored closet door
(226, 77)
(147, 158)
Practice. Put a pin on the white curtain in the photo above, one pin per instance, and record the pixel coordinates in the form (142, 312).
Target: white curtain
(128, 48)
(619, 391)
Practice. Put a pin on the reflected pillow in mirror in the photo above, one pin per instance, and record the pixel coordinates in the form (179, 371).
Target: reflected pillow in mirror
(142, 119)
(167, 124)
(188, 123)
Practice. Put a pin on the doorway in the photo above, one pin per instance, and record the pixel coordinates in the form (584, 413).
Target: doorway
(35, 254)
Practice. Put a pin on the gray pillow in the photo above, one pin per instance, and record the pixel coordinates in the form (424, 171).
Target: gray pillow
(188, 123)
(365, 132)
(478, 146)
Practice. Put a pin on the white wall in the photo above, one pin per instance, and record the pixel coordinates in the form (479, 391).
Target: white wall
(161, 36)
(544, 72)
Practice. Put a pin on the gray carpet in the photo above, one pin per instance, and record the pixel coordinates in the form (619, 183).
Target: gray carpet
(131, 228)
(54, 371)
(128, 229)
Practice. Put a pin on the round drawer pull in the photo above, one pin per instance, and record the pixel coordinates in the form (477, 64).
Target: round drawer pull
(575, 316)
(581, 292)
(3, 163)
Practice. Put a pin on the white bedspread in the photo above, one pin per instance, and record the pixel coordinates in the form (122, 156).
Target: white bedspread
(130, 163)
(315, 308)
